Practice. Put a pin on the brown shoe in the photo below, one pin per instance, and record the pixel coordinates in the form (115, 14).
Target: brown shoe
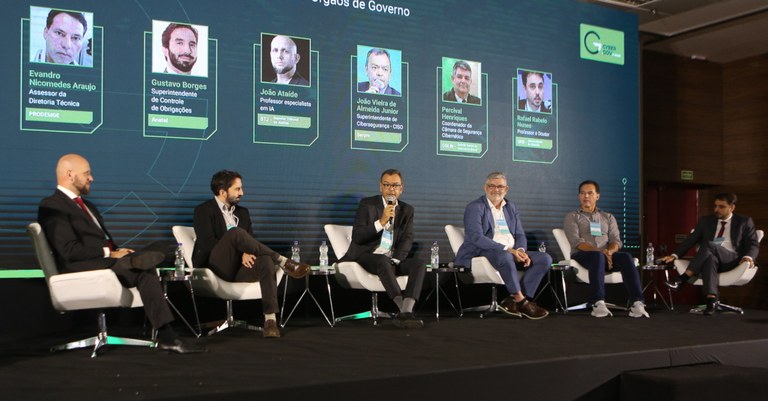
(530, 310)
(509, 306)
(296, 270)
(270, 329)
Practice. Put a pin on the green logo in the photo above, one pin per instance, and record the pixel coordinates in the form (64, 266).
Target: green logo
(602, 44)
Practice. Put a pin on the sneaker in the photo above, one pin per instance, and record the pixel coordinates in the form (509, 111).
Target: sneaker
(600, 310)
(638, 309)
(530, 310)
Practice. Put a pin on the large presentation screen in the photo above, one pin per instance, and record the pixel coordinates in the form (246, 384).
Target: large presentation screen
(310, 100)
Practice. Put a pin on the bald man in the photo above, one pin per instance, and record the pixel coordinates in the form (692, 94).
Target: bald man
(80, 241)
(284, 55)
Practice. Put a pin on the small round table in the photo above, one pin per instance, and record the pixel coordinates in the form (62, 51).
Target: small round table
(314, 271)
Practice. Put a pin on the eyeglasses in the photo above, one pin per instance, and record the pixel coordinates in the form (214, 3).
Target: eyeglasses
(393, 186)
(496, 187)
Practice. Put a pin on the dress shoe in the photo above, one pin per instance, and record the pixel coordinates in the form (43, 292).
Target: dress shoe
(146, 260)
(296, 270)
(509, 306)
(711, 306)
(181, 347)
(407, 320)
(530, 310)
(270, 329)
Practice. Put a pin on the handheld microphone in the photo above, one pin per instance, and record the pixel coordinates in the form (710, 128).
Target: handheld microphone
(390, 201)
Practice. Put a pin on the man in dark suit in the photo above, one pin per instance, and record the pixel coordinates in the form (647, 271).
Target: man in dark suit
(461, 77)
(81, 242)
(382, 237)
(725, 240)
(226, 245)
(493, 229)
(378, 68)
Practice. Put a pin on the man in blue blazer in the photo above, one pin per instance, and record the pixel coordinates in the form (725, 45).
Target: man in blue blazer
(725, 240)
(493, 229)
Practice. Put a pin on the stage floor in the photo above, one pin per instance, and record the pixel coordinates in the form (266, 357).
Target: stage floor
(562, 357)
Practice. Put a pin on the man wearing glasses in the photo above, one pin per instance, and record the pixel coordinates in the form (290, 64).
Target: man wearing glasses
(382, 236)
(493, 229)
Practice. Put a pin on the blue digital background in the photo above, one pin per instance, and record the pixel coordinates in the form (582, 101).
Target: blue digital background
(143, 186)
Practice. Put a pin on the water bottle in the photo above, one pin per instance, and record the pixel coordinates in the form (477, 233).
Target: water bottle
(323, 256)
(649, 255)
(434, 260)
(296, 252)
(543, 247)
(179, 262)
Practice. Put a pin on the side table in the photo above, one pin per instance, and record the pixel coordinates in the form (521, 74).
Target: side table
(315, 271)
(560, 305)
(437, 290)
(653, 271)
(169, 276)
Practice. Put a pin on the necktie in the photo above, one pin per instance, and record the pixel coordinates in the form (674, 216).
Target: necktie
(722, 229)
(79, 201)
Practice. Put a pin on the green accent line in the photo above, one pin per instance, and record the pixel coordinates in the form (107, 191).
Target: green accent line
(23, 273)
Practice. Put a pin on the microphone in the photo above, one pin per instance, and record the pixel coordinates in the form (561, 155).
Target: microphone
(390, 201)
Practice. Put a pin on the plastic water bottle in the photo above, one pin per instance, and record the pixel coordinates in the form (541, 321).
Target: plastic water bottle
(296, 252)
(649, 255)
(434, 259)
(323, 256)
(179, 262)
(543, 247)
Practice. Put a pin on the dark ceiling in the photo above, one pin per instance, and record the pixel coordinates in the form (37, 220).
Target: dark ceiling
(718, 31)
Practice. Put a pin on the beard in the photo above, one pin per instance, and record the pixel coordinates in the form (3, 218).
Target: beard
(182, 65)
(282, 70)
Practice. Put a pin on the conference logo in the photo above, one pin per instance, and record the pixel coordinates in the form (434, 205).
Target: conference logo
(602, 44)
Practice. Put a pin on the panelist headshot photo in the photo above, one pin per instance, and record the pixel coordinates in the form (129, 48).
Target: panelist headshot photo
(289, 59)
(461, 81)
(179, 48)
(60, 36)
(378, 70)
(534, 91)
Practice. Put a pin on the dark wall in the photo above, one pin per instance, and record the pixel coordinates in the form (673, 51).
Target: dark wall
(711, 119)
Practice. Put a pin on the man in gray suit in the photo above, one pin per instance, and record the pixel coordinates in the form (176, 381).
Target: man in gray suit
(725, 240)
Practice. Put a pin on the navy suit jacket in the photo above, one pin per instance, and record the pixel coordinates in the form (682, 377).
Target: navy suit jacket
(210, 227)
(743, 236)
(365, 239)
(478, 230)
(77, 242)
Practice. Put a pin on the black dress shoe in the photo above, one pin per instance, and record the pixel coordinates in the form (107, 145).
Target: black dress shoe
(407, 320)
(146, 260)
(709, 310)
(180, 347)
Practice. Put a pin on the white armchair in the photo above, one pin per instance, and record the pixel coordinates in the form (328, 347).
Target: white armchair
(739, 276)
(208, 284)
(482, 271)
(94, 289)
(352, 275)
